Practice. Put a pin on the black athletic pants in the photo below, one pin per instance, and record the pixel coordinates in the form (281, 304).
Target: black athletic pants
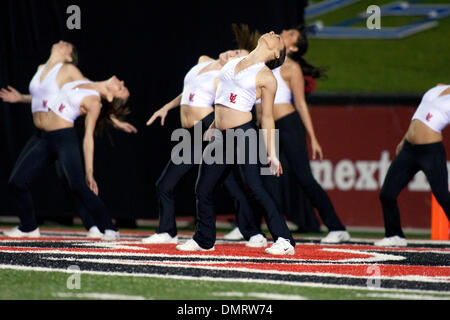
(43, 149)
(210, 174)
(87, 220)
(172, 174)
(431, 159)
(292, 141)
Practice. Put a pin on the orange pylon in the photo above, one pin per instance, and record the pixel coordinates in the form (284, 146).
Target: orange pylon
(439, 222)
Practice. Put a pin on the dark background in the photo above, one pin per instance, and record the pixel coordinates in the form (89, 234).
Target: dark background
(148, 44)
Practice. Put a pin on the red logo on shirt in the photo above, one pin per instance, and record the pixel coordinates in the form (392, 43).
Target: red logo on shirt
(233, 98)
(44, 103)
(429, 116)
(61, 107)
(191, 97)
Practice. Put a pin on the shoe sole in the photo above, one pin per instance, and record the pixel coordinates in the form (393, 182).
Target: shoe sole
(22, 236)
(282, 254)
(160, 242)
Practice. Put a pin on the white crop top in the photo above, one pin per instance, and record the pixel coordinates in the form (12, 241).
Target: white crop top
(284, 93)
(43, 92)
(198, 90)
(238, 91)
(67, 103)
(434, 110)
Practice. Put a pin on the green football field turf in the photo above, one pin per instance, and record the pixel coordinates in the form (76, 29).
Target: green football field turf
(50, 285)
(28, 285)
(409, 65)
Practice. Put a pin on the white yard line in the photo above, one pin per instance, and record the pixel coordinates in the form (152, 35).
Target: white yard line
(98, 296)
(402, 296)
(262, 295)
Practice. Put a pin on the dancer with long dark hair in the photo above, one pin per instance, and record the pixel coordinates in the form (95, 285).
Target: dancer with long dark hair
(421, 149)
(293, 120)
(43, 87)
(98, 101)
(241, 82)
(196, 111)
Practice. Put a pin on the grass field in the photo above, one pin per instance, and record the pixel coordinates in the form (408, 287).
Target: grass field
(129, 270)
(409, 65)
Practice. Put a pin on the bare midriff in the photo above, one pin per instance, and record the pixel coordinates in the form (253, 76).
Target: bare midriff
(227, 118)
(39, 119)
(55, 122)
(420, 133)
(189, 115)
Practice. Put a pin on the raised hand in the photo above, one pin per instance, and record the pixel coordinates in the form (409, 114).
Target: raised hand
(162, 113)
(10, 95)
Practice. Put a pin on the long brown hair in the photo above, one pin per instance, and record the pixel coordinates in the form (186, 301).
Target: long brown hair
(245, 39)
(117, 107)
(302, 45)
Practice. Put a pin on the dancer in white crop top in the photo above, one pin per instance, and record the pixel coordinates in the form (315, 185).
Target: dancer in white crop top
(420, 150)
(44, 87)
(196, 111)
(241, 82)
(59, 142)
(199, 90)
(293, 120)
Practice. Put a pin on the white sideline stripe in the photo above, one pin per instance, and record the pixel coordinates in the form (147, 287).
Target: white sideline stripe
(177, 264)
(402, 296)
(100, 296)
(193, 256)
(211, 279)
(262, 295)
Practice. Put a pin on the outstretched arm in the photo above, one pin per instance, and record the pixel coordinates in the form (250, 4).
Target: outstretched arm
(297, 85)
(11, 95)
(268, 90)
(162, 113)
(122, 125)
(93, 107)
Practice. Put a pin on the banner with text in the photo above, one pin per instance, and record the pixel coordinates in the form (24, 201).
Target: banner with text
(358, 146)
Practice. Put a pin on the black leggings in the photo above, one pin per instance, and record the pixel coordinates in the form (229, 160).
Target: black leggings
(42, 150)
(432, 160)
(171, 176)
(293, 144)
(210, 175)
(87, 220)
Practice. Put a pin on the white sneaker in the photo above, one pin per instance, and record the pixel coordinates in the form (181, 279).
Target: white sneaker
(281, 247)
(94, 233)
(257, 241)
(394, 241)
(191, 245)
(234, 234)
(111, 235)
(160, 238)
(336, 237)
(16, 233)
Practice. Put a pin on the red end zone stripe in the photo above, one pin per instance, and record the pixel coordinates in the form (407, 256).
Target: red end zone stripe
(304, 252)
(360, 270)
